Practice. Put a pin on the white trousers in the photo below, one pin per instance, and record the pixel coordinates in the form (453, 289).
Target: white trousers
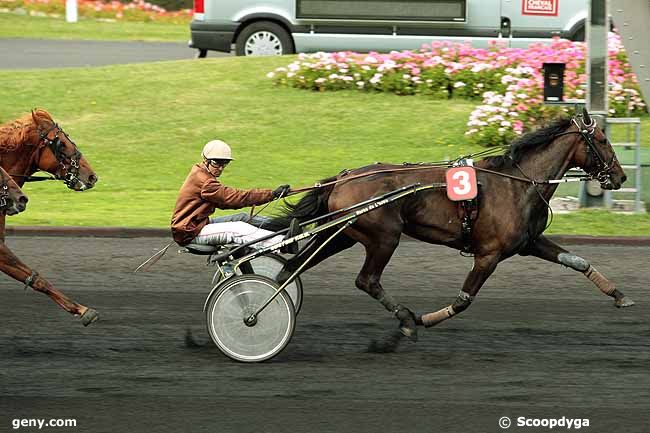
(235, 232)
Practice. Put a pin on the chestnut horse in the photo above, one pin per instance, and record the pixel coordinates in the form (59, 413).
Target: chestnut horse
(29, 144)
(512, 213)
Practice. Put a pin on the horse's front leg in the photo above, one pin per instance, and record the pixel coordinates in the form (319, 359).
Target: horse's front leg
(12, 266)
(552, 252)
(484, 266)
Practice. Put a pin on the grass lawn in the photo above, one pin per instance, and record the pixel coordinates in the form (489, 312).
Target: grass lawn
(19, 26)
(143, 126)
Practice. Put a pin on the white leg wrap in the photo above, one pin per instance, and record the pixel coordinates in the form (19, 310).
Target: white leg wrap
(431, 319)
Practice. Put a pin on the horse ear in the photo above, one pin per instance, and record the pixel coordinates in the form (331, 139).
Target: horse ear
(585, 116)
(35, 118)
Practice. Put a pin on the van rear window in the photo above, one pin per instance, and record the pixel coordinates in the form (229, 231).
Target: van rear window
(385, 10)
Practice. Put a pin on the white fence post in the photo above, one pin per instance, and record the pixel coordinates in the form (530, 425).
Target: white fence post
(71, 11)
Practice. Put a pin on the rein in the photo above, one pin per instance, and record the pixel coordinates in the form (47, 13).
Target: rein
(587, 134)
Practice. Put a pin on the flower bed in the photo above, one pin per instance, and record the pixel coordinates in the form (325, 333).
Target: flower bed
(507, 81)
(135, 10)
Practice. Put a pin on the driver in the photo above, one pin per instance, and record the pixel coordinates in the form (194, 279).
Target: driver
(202, 193)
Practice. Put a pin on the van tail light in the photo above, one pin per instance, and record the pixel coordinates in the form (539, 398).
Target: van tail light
(199, 9)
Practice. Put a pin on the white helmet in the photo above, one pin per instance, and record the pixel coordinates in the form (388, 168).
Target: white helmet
(217, 149)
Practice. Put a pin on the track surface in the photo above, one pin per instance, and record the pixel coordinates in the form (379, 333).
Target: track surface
(540, 342)
(43, 53)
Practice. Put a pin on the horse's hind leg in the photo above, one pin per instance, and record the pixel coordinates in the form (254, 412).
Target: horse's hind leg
(552, 252)
(377, 257)
(484, 266)
(12, 266)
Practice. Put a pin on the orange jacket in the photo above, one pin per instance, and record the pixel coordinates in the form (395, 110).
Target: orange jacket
(200, 195)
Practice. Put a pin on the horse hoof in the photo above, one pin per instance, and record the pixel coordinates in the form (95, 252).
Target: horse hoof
(407, 323)
(89, 317)
(410, 333)
(623, 302)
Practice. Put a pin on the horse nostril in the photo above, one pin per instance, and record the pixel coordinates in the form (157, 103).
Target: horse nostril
(92, 179)
(23, 199)
(623, 179)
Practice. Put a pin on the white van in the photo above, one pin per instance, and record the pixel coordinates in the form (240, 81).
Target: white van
(276, 27)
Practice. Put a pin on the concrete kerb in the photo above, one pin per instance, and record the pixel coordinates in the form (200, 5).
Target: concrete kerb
(127, 232)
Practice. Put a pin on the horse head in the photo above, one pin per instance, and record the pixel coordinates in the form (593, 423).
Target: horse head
(597, 156)
(60, 156)
(12, 198)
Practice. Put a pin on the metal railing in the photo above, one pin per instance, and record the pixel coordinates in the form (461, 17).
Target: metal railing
(636, 145)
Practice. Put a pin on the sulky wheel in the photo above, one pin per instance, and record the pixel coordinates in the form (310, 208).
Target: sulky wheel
(270, 266)
(228, 317)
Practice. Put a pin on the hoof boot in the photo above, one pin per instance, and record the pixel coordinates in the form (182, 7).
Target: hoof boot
(90, 316)
(623, 302)
(407, 323)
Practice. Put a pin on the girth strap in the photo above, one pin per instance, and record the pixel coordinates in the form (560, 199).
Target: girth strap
(467, 212)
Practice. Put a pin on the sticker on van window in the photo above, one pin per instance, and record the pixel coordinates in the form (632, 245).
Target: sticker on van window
(540, 7)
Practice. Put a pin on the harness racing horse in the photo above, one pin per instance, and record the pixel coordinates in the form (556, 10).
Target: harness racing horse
(512, 213)
(29, 144)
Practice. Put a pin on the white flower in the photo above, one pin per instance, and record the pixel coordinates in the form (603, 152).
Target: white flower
(458, 84)
(360, 83)
(270, 75)
(320, 80)
(505, 123)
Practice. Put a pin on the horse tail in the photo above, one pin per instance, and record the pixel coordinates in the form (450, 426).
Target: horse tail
(311, 205)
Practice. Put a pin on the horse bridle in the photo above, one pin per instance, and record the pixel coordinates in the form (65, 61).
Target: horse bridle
(4, 193)
(68, 173)
(588, 132)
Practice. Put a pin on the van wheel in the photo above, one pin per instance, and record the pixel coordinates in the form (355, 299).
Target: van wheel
(263, 38)
(579, 35)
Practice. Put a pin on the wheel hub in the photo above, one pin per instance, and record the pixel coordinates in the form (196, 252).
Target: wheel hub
(263, 44)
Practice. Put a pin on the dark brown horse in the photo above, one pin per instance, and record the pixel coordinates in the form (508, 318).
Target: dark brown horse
(27, 145)
(512, 213)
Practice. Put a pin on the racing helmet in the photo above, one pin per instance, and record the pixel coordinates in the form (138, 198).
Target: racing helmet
(217, 149)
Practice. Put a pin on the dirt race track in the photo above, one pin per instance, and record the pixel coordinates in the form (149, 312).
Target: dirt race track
(539, 342)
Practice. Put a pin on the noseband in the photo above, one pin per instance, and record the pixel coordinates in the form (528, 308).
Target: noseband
(68, 173)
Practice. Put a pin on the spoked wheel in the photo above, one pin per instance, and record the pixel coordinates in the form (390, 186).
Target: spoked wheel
(237, 334)
(270, 266)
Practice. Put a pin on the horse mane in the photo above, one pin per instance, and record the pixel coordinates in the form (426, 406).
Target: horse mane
(16, 133)
(534, 140)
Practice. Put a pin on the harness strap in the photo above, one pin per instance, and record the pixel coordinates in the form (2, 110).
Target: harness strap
(370, 173)
(467, 212)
